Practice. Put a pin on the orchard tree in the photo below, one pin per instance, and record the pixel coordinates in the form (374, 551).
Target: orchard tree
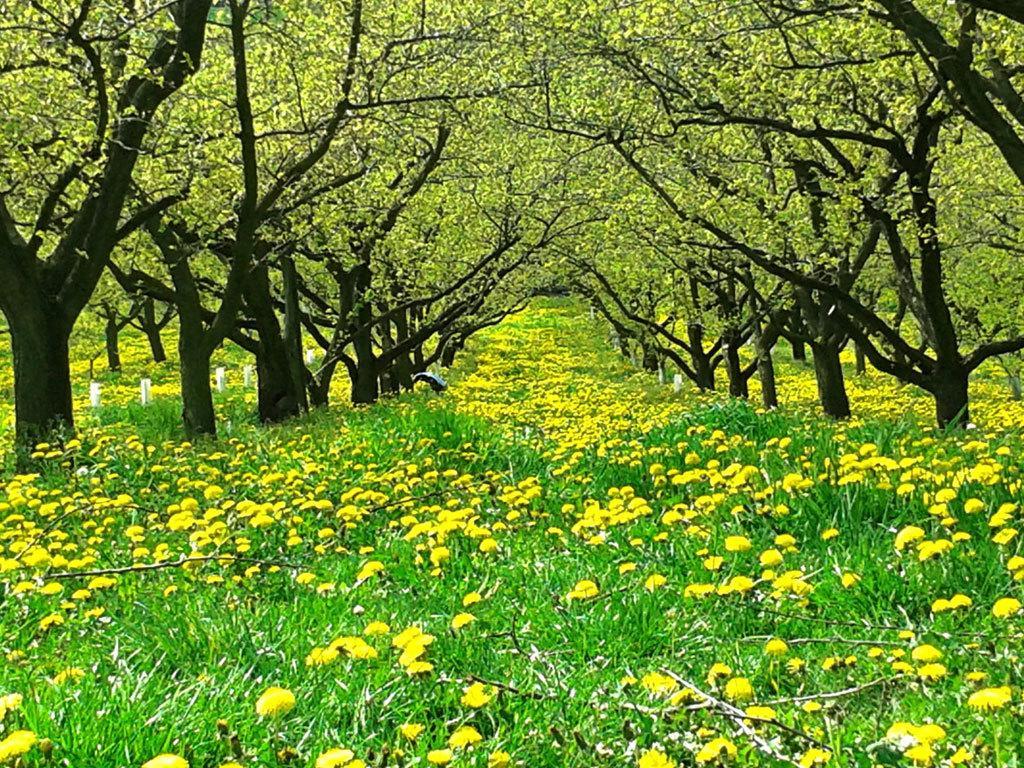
(83, 83)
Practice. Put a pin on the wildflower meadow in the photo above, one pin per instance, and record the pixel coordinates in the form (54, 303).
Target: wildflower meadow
(560, 561)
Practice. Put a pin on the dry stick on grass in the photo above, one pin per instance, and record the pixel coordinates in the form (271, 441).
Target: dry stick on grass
(827, 640)
(396, 502)
(739, 718)
(833, 694)
(169, 564)
(510, 688)
(881, 627)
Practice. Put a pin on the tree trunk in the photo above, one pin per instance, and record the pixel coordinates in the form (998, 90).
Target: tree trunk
(416, 317)
(861, 358)
(320, 385)
(401, 369)
(196, 393)
(828, 370)
(386, 372)
(42, 374)
(451, 348)
(651, 358)
(151, 328)
(194, 348)
(275, 391)
(764, 340)
(799, 351)
(279, 395)
(111, 333)
(734, 369)
(293, 330)
(364, 385)
(704, 371)
(1014, 382)
(950, 390)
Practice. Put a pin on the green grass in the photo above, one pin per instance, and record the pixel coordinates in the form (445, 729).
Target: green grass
(161, 669)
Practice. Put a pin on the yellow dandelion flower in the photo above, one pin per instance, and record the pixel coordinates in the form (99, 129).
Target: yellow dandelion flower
(464, 736)
(1005, 607)
(655, 758)
(988, 699)
(166, 760)
(275, 701)
(477, 695)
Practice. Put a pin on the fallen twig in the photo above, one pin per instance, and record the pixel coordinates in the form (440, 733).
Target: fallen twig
(740, 718)
(826, 640)
(827, 695)
(166, 564)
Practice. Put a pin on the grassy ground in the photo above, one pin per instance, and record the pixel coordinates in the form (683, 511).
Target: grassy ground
(558, 563)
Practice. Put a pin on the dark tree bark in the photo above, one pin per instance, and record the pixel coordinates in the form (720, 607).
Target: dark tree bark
(828, 371)
(799, 350)
(148, 323)
(281, 389)
(650, 360)
(293, 329)
(416, 318)
(797, 345)
(951, 398)
(733, 367)
(702, 361)
(451, 349)
(764, 342)
(112, 342)
(387, 382)
(197, 414)
(364, 385)
(402, 368)
(42, 375)
(195, 347)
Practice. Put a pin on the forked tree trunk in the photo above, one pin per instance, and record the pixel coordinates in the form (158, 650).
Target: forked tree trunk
(275, 391)
(861, 360)
(320, 385)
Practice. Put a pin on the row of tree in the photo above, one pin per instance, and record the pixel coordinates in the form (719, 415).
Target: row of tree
(386, 177)
(829, 172)
(264, 172)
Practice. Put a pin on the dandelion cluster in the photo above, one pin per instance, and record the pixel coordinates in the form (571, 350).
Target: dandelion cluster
(560, 563)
